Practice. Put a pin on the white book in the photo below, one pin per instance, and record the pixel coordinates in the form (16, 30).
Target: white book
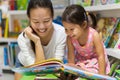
(117, 46)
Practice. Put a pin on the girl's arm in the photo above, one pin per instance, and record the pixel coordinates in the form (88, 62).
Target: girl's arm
(71, 55)
(100, 53)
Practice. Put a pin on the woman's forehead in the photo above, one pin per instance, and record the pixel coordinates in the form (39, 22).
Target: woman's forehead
(40, 12)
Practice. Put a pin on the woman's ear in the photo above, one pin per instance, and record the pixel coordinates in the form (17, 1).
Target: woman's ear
(84, 24)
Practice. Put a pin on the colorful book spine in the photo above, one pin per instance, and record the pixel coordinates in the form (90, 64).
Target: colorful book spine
(6, 29)
(111, 33)
(5, 56)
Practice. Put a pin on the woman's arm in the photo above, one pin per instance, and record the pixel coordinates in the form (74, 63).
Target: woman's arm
(39, 53)
(18, 76)
(100, 53)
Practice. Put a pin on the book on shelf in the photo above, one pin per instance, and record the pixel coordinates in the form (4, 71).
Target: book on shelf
(106, 27)
(8, 53)
(54, 66)
(114, 40)
(3, 54)
(117, 45)
(6, 29)
(111, 24)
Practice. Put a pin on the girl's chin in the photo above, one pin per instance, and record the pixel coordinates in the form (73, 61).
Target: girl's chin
(74, 37)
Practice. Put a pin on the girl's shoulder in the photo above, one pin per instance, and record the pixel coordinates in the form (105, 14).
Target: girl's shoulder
(93, 32)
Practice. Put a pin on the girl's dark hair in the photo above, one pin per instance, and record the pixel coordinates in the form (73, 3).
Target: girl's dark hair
(93, 17)
(40, 4)
(74, 14)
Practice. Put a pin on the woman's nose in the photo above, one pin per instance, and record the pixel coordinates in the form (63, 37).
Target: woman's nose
(41, 26)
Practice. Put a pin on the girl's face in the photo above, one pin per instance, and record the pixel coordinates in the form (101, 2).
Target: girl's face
(41, 21)
(73, 30)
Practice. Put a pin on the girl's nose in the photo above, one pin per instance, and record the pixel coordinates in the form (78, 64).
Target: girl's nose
(69, 33)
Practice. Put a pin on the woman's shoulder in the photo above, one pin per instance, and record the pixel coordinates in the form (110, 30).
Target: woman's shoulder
(59, 32)
(22, 38)
(58, 28)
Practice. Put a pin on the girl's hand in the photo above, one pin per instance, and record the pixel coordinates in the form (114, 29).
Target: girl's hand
(67, 76)
(29, 33)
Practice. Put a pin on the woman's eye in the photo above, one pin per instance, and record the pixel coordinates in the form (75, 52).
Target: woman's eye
(36, 22)
(46, 21)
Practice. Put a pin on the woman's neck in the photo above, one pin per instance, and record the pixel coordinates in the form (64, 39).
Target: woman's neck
(45, 40)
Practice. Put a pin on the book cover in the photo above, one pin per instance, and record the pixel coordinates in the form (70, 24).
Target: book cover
(106, 27)
(6, 29)
(115, 36)
(53, 66)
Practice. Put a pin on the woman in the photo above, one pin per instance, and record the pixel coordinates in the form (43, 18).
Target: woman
(43, 39)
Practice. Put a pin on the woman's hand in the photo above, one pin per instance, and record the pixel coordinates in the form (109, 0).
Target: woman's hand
(38, 47)
(29, 33)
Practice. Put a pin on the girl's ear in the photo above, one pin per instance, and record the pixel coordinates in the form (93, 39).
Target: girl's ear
(84, 24)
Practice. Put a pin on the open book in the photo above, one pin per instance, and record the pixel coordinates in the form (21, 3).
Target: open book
(54, 66)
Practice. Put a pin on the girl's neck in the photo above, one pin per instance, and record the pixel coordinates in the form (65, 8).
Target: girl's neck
(84, 38)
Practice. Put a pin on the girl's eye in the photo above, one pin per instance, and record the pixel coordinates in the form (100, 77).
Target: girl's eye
(71, 29)
(65, 29)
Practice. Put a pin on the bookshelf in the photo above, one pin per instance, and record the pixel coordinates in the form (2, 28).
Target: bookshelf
(109, 10)
(7, 40)
(105, 10)
(16, 14)
(5, 43)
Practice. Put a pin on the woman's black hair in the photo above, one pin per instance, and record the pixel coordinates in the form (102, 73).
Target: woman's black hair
(40, 4)
(74, 14)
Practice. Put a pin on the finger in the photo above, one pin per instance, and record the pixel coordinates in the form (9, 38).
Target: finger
(62, 76)
(69, 77)
(28, 29)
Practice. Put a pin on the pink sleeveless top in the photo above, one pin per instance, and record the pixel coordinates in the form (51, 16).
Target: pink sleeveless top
(85, 56)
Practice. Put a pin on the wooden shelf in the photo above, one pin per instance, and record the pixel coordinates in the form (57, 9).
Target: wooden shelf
(102, 8)
(113, 52)
(7, 40)
(17, 12)
(109, 10)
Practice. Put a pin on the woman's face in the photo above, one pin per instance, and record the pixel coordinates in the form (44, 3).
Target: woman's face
(73, 30)
(41, 21)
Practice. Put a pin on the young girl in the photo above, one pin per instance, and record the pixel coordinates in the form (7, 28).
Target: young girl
(85, 49)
